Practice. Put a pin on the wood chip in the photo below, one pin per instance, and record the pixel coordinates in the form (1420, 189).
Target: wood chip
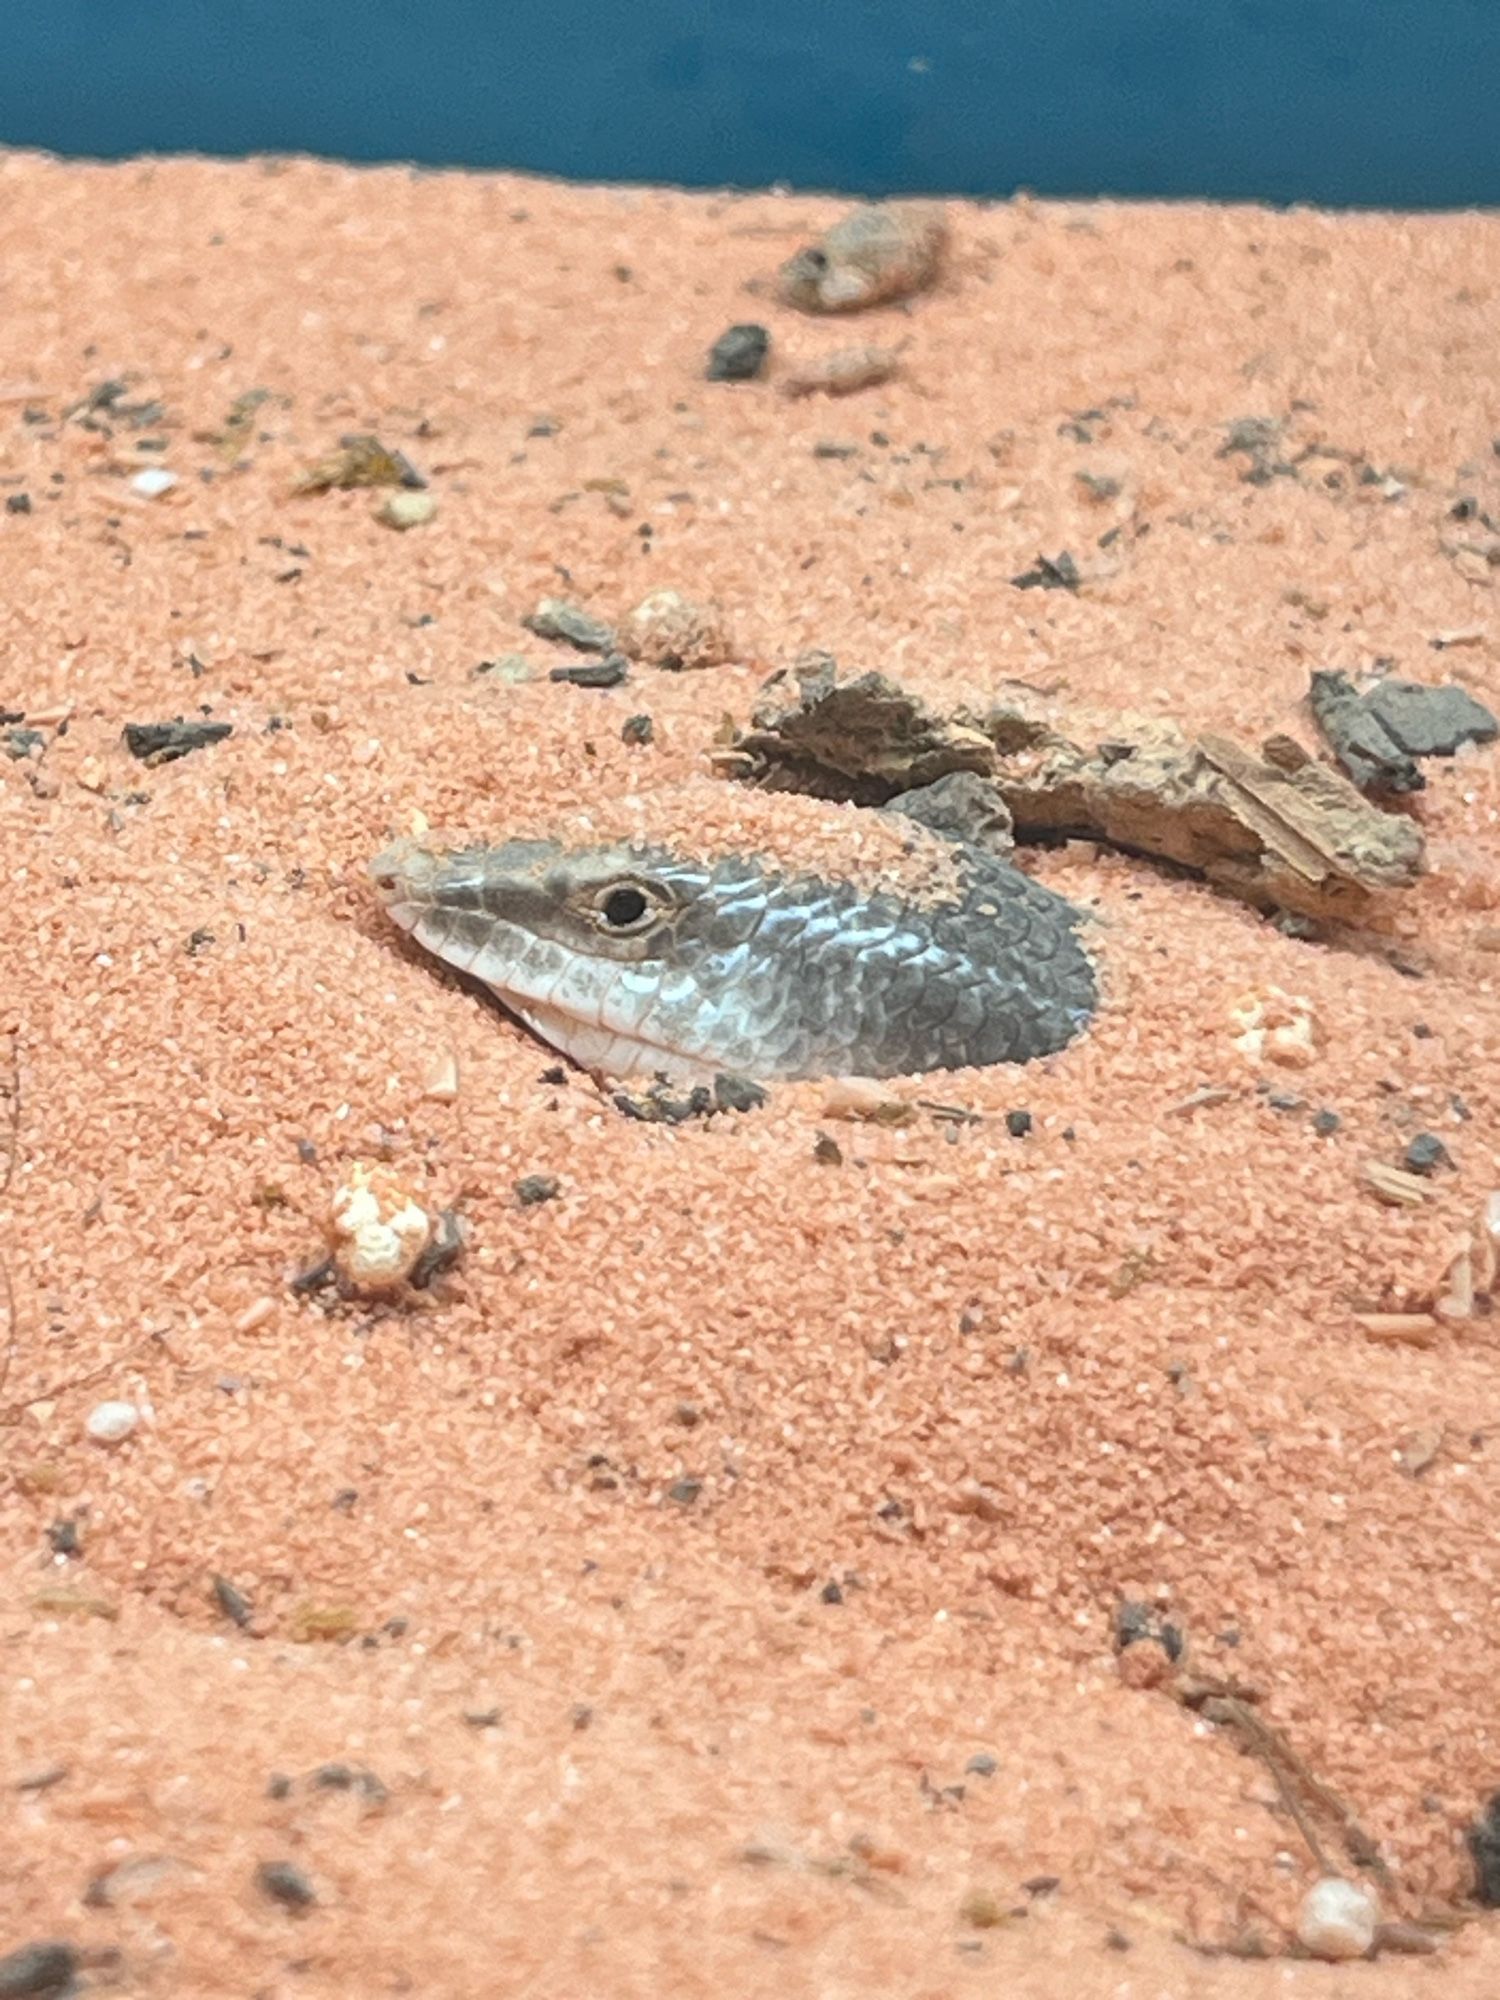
(866, 1099)
(1394, 1186)
(1400, 1329)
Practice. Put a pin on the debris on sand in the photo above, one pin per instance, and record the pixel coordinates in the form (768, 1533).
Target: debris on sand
(879, 251)
(866, 739)
(361, 460)
(678, 633)
(1059, 572)
(158, 743)
(1279, 831)
(1378, 735)
(557, 618)
(739, 354)
(842, 372)
(1484, 1847)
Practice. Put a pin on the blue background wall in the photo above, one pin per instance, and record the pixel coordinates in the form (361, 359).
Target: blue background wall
(1363, 102)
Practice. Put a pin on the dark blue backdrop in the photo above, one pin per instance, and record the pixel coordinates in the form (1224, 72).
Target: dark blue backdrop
(1364, 102)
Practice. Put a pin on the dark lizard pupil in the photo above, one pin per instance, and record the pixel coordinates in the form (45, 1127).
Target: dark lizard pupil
(624, 907)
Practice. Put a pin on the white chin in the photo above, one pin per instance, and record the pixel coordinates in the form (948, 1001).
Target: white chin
(602, 1049)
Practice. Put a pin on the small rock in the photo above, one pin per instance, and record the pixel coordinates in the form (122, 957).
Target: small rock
(285, 1883)
(535, 1188)
(1338, 1919)
(21, 743)
(377, 1228)
(556, 618)
(406, 510)
(684, 1491)
(18, 503)
(153, 482)
(610, 672)
(867, 1099)
(1430, 721)
(982, 1910)
(842, 372)
(1276, 1027)
(1137, 1624)
(450, 1239)
(876, 252)
(1326, 1123)
(737, 1093)
(1018, 1123)
(36, 1971)
(982, 1765)
(63, 1538)
(158, 743)
(513, 668)
(676, 633)
(111, 1423)
(1484, 1846)
(132, 1882)
(1425, 1154)
(233, 1603)
(637, 730)
(440, 1086)
(739, 354)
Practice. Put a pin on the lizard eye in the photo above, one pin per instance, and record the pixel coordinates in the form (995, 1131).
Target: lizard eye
(625, 909)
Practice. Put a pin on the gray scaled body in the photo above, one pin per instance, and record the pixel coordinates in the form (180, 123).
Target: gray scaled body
(637, 961)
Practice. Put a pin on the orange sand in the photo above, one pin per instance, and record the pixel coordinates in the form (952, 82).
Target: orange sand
(1138, 1339)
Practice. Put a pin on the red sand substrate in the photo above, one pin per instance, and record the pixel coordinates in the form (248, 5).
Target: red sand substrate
(630, 1741)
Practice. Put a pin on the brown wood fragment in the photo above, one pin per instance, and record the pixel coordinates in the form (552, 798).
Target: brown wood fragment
(1394, 1186)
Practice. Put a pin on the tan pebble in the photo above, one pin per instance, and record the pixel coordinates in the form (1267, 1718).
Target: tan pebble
(1473, 567)
(92, 775)
(973, 1497)
(1400, 1329)
(441, 1085)
(667, 629)
(256, 1314)
(842, 372)
(1146, 1664)
(878, 251)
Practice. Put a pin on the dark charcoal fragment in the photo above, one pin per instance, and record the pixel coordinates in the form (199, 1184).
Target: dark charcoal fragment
(351, 1778)
(1484, 1845)
(63, 1538)
(1058, 572)
(657, 1107)
(637, 730)
(739, 354)
(164, 742)
(1425, 1154)
(1373, 758)
(18, 503)
(20, 743)
(38, 1970)
(233, 1603)
(685, 1491)
(1430, 721)
(1135, 1621)
(1018, 1123)
(963, 807)
(285, 1883)
(737, 1093)
(609, 672)
(449, 1241)
(1326, 1123)
(534, 1188)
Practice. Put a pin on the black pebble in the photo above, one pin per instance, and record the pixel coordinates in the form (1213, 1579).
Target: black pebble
(1135, 1621)
(534, 1188)
(164, 742)
(20, 743)
(1484, 1845)
(832, 1593)
(37, 1969)
(739, 354)
(18, 503)
(233, 1603)
(609, 672)
(1018, 1123)
(637, 729)
(1325, 1123)
(1058, 572)
(1425, 1154)
(685, 1491)
(737, 1093)
(284, 1882)
(62, 1537)
(982, 1765)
